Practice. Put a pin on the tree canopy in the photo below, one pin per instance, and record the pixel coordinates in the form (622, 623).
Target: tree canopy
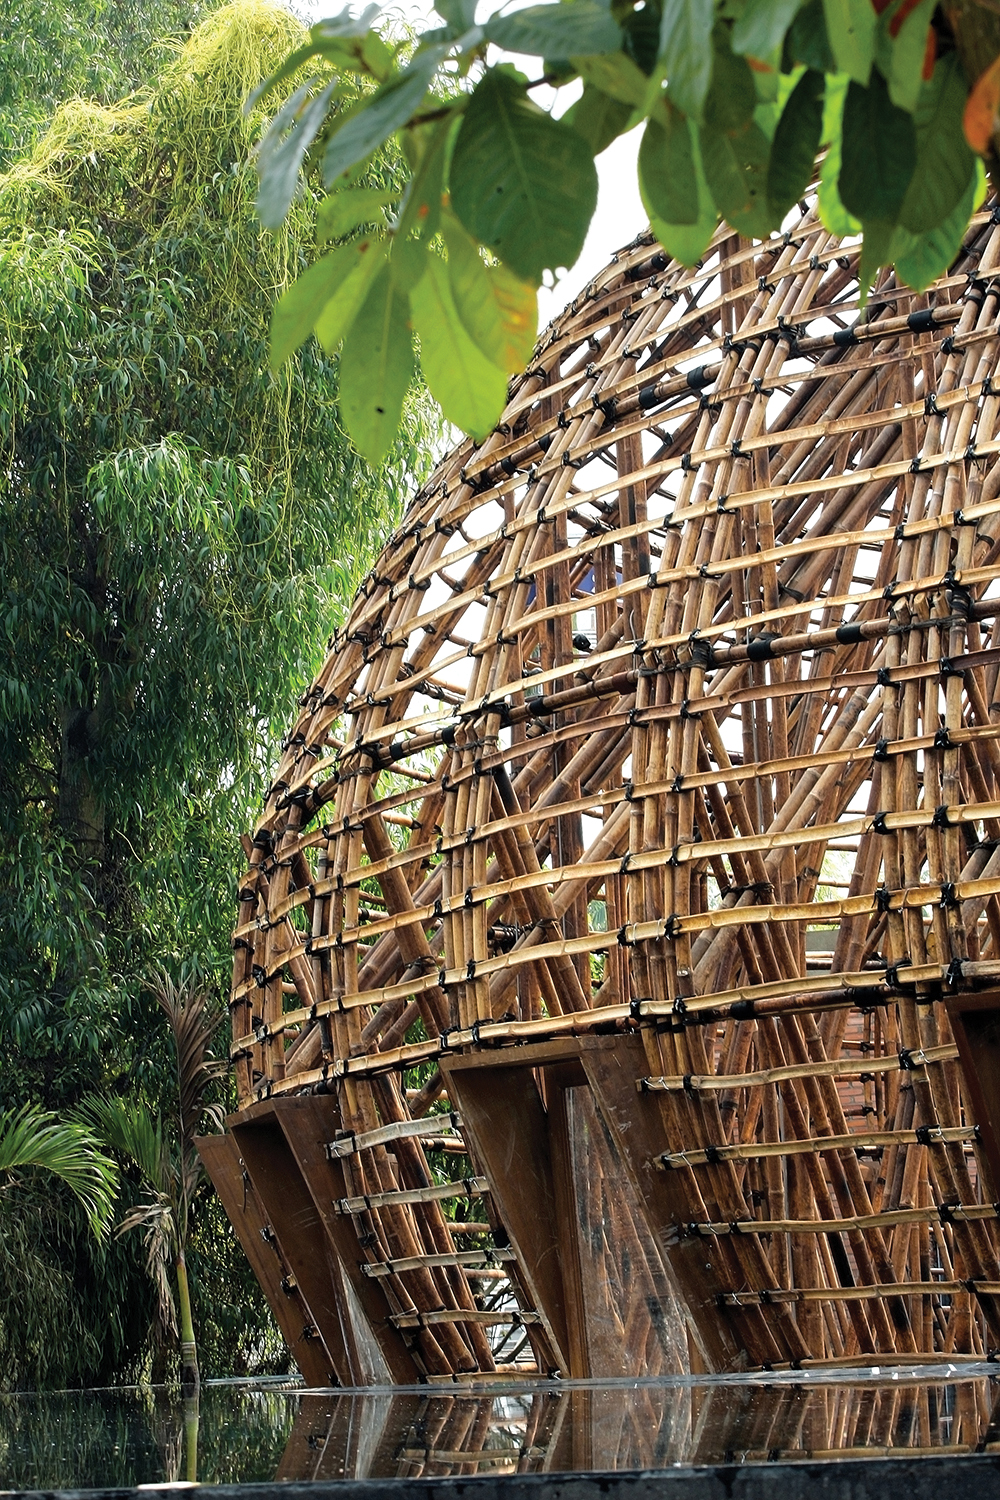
(179, 530)
(51, 50)
(742, 104)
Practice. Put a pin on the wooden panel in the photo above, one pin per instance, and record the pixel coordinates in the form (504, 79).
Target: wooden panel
(299, 1230)
(975, 1020)
(613, 1064)
(507, 1129)
(308, 1123)
(224, 1165)
(558, 1080)
(631, 1314)
(557, 1178)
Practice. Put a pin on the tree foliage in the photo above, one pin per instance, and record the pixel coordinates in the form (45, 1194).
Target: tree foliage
(99, 49)
(31, 1139)
(740, 102)
(179, 529)
(167, 1159)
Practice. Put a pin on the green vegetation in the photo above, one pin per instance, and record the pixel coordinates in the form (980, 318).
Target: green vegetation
(179, 530)
(167, 1161)
(53, 50)
(35, 1141)
(738, 101)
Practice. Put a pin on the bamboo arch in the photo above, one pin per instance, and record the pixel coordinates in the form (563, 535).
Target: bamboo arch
(638, 836)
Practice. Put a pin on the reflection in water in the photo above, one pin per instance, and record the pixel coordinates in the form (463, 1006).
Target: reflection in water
(636, 1427)
(112, 1438)
(247, 1433)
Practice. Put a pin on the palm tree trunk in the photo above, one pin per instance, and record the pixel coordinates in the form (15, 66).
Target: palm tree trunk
(189, 1350)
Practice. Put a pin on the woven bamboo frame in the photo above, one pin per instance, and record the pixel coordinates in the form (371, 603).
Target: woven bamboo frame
(693, 660)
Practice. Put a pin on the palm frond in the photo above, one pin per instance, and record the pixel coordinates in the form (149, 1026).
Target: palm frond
(31, 1137)
(133, 1132)
(186, 1008)
(156, 1216)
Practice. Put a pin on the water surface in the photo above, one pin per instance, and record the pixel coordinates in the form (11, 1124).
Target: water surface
(244, 1432)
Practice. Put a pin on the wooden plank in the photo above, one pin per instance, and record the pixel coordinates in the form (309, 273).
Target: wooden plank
(559, 1079)
(975, 1020)
(612, 1065)
(507, 1129)
(299, 1230)
(224, 1165)
(308, 1123)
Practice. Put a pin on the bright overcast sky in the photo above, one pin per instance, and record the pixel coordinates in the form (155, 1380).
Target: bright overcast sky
(619, 216)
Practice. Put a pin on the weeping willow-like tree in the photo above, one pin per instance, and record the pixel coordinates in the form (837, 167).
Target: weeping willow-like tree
(52, 49)
(178, 531)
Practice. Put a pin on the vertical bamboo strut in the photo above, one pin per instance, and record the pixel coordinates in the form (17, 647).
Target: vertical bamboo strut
(708, 624)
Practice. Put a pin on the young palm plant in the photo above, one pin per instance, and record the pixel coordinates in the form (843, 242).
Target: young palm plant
(32, 1138)
(167, 1159)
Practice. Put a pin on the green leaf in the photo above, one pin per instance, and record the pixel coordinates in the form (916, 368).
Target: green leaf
(831, 210)
(342, 212)
(345, 24)
(688, 242)
(460, 14)
(407, 261)
(921, 259)
(878, 154)
(298, 309)
(906, 55)
(421, 211)
(598, 118)
(762, 26)
(31, 1137)
(686, 52)
(641, 29)
(808, 41)
(850, 29)
(522, 183)
(796, 141)
(581, 28)
(283, 148)
(376, 367)
(736, 165)
(616, 75)
(518, 304)
(341, 40)
(498, 311)
(666, 168)
(342, 307)
(472, 391)
(944, 159)
(361, 49)
(389, 108)
(732, 97)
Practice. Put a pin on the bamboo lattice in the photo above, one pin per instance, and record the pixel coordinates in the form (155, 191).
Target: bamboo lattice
(673, 707)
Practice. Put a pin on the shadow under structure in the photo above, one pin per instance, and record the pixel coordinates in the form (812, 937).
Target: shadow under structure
(617, 970)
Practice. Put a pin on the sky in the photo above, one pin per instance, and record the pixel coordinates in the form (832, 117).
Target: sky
(619, 217)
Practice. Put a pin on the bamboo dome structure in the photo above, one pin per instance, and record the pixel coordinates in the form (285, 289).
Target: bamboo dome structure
(615, 984)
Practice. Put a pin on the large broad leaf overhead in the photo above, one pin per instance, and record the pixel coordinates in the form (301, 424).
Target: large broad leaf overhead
(377, 366)
(524, 184)
(741, 103)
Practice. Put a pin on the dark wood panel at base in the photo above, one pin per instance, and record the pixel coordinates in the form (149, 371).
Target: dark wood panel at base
(223, 1163)
(507, 1128)
(309, 1123)
(975, 1020)
(299, 1230)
